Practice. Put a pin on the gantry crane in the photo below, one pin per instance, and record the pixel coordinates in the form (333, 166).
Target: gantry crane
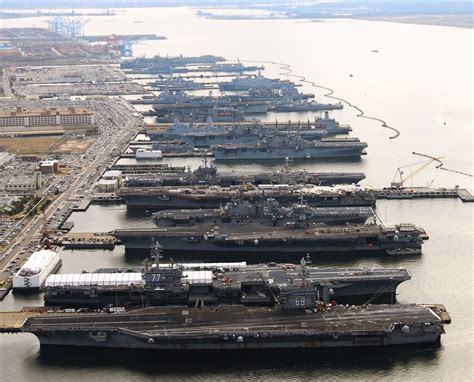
(399, 180)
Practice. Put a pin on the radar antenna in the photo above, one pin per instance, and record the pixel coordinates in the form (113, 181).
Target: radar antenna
(156, 252)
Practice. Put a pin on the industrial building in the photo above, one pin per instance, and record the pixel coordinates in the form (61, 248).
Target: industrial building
(112, 175)
(46, 121)
(49, 166)
(24, 183)
(107, 185)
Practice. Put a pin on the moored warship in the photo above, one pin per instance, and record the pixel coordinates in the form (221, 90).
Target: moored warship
(258, 81)
(299, 321)
(215, 196)
(265, 212)
(255, 243)
(218, 283)
(209, 175)
(290, 146)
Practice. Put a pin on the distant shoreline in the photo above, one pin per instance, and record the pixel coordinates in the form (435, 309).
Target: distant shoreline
(456, 21)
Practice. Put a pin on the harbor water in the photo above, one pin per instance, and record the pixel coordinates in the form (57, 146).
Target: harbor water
(419, 81)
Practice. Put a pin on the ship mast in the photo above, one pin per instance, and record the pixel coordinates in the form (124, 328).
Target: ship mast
(157, 252)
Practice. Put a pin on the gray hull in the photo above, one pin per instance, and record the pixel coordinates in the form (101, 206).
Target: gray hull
(240, 328)
(222, 153)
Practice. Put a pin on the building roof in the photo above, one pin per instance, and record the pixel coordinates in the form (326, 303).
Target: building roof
(37, 261)
(22, 179)
(107, 182)
(90, 279)
(49, 162)
(44, 112)
(198, 277)
(112, 174)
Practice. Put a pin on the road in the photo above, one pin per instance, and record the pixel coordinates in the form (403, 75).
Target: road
(32, 232)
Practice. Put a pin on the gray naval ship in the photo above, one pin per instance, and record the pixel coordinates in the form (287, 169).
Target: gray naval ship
(209, 175)
(219, 283)
(265, 212)
(298, 318)
(254, 242)
(299, 321)
(241, 83)
(216, 196)
(217, 113)
(179, 102)
(211, 134)
(288, 106)
(290, 146)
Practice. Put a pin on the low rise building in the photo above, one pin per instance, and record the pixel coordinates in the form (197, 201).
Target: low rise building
(107, 185)
(50, 166)
(46, 121)
(24, 183)
(112, 175)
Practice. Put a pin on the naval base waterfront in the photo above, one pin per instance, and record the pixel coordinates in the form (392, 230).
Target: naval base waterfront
(439, 273)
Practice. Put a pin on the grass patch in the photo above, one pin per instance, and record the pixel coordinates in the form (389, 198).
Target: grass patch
(46, 145)
(28, 145)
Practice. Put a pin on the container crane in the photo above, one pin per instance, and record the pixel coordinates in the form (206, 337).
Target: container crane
(399, 179)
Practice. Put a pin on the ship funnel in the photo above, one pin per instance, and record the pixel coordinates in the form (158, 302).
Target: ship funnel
(209, 122)
(326, 115)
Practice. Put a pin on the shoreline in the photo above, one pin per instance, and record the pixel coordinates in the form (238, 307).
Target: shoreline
(454, 21)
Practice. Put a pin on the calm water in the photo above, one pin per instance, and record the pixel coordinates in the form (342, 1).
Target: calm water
(420, 79)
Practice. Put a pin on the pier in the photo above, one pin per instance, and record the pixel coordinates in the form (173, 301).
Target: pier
(147, 168)
(85, 241)
(424, 193)
(194, 154)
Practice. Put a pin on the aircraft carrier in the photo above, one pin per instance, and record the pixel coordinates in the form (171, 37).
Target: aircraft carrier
(255, 243)
(290, 146)
(294, 323)
(219, 283)
(215, 196)
(267, 212)
(210, 176)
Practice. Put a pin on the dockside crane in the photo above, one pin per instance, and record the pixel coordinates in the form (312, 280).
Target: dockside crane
(399, 179)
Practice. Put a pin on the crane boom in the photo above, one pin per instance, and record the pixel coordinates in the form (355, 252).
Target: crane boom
(399, 173)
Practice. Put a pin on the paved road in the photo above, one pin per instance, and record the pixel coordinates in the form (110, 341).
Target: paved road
(31, 233)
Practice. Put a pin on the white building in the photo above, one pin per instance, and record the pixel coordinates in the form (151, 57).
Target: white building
(107, 185)
(113, 175)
